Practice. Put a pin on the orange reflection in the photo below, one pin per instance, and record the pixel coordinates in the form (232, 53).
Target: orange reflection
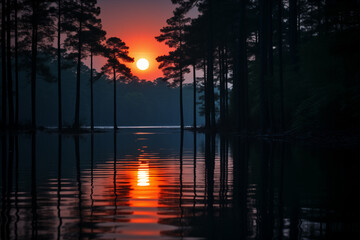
(143, 174)
(129, 196)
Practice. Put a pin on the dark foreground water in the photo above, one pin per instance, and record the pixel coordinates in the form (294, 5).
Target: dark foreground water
(154, 183)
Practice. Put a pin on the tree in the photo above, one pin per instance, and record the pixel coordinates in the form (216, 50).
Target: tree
(280, 53)
(173, 64)
(9, 66)
(116, 50)
(193, 53)
(80, 15)
(59, 30)
(37, 35)
(16, 46)
(240, 71)
(3, 63)
(93, 38)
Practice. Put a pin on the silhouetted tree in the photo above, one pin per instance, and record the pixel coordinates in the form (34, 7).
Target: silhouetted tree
(59, 31)
(3, 63)
(173, 64)
(16, 52)
(116, 50)
(93, 39)
(240, 71)
(80, 15)
(280, 55)
(9, 65)
(193, 53)
(37, 34)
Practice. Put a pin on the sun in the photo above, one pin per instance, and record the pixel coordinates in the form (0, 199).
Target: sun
(142, 64)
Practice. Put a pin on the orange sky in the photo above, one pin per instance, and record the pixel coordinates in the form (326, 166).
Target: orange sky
(137, 22)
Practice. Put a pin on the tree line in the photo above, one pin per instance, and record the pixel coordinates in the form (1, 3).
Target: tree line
(268, 66)
(34, 32)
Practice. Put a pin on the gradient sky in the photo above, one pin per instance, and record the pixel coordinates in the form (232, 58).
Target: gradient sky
(137, 22)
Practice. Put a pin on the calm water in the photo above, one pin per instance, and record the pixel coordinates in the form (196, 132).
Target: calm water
(155, 183)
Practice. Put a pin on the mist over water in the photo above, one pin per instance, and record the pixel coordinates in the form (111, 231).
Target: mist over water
(153, 183)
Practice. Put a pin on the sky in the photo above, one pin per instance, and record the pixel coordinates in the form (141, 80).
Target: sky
(137, 22)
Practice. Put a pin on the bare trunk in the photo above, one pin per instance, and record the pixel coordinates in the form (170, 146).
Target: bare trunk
(194, 94)
(293, 29)
(59, 66)
(115, 125)
(263, 67)
(9, 70)
(222, 87)
(3, 64)
(34, 63)
(181, 88)
(210, 69)
(282, 128)
(181, 101)
(270, 65)
(16, 66)
(91, 91)
(78, 72)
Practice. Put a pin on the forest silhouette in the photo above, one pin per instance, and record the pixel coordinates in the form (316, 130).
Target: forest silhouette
(266, 67)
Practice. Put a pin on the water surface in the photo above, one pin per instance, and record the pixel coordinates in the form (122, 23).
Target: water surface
(159, 184)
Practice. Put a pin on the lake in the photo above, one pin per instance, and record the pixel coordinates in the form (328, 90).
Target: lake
(156, 183)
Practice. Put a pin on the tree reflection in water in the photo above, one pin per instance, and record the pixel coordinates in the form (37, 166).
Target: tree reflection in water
(169, 184)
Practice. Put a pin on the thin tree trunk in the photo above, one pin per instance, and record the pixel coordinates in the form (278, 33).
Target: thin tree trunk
(9, 70)
(293, 29)
(91, 91)
(270, 64)
(115, 125)
(59, 66)
(282, 124)
(181, 87)
(16, 66)
(319, 17)
(3, 63)
(34, 63)
(222, 88)
(194, 95)
(181, 100)
(243, 68)
(226, 86)
(263, 66)
(210, 68)
(206, 98)
(78, 72)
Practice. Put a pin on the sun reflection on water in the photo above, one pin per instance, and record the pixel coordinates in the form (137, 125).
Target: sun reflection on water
(143, 174)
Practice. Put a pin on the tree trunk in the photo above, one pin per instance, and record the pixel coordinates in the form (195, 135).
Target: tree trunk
(293, 29)
(115, 125)
(34, 63)
(181, 100)
(270, 64)
(222, 87)
(78, 72)
(91, 91)
(9, 70)
(194, 95)
(226, 86)
(206, 97)
(16, 66)
(243, 85)
(59, 66)
(263, 66)
(210, 69)
(181, 87)
(282, 128)
(3, 64)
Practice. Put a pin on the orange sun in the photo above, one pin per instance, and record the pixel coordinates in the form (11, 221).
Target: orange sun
(142, 64)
